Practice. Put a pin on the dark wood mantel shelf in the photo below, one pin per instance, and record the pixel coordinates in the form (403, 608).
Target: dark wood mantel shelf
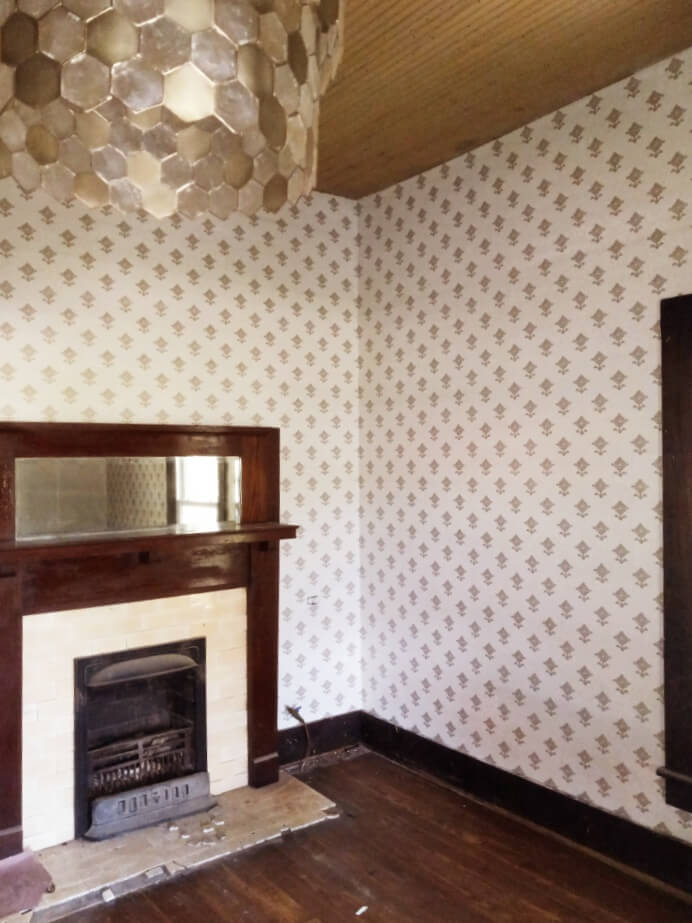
(87, 571)
(66, 546)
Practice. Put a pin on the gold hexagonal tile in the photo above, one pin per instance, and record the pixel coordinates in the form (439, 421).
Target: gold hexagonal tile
(224, 143)
(160, 200)
(224, 202)
(6, 85)
(286, 89)
(85, 81)
(42, 145)
(298, 57)
(93, 129)
(164, 44)
(25, 171)
(236, 106)
(287, 163)
(176, 171)
(109, 163)
(35, 8)
(237, 19)
(111, 37)
(143, 169)
(125, 136)
(61, 34)
(137, 85)
(214, 55)
(37, 80)
(297, 138)
(125, 195)
(309, 28)
(329, 13)
(273, 37)
(91, 190)
(289, 12)
(238, 169)
(208, 172)
(12, 130)
(160, 141)
(272, 121)
(275, 194)
(296, 185)
(188, 94)
(253, 141)
(5, 160)
(192, 200)
(86, 9)
(113, 109)
(250, 198)
(146, 119)
(266, 165)
(74, 155)
(255, 70)
(139, 11)
(18, 39)
(58, 181)
(191, 16)
(193, 143)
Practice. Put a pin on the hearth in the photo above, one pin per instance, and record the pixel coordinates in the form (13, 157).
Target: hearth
(140, 737)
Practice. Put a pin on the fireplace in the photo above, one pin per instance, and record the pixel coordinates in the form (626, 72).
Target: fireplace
(140, 737)
(48, 581)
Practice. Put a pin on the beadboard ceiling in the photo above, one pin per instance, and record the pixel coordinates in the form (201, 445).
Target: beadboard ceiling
(425, 80)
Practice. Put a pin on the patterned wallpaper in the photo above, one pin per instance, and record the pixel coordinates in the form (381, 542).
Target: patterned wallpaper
(137, 493)
(511, 533)
(505, 366)
(244, 322)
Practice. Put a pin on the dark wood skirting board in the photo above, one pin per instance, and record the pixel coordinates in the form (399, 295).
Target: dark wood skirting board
(676, 370)
(658, 856)
(325, 735)
(53, 575)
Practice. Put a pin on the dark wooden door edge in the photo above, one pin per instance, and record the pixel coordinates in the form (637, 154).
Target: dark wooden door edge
(676, 370)
(667, 859)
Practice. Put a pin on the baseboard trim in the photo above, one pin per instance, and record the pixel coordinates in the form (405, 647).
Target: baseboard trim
(662, 857)
(326, 735)
(653, 854)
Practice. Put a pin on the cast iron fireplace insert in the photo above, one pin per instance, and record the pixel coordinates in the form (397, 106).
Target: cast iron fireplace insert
(140, 737)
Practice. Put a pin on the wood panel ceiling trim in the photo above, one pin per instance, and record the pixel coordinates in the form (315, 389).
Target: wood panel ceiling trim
(423, 82)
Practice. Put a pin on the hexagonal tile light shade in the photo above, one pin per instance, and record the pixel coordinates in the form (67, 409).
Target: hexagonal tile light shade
(166, 105)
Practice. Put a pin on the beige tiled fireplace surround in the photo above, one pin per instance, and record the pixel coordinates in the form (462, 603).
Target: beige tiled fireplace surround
(51, 643)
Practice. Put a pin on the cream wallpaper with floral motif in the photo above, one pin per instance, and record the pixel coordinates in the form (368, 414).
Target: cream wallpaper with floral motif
(510, 440)
(242, 322)
(505, 367)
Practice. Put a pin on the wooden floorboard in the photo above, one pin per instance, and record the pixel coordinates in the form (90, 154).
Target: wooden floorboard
(412, 852)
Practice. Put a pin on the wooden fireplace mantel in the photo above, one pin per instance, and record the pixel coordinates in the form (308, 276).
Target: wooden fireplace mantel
(60, 574)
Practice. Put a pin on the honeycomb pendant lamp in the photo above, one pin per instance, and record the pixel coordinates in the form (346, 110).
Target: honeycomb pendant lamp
(168, 106)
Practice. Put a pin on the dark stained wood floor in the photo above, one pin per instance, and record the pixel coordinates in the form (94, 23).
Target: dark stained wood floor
(412, 852)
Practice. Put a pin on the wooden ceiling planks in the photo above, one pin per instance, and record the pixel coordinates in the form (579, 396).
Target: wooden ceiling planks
(423, 81)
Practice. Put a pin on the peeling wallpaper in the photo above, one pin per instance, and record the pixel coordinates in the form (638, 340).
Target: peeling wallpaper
(510, 443)
(246, 322)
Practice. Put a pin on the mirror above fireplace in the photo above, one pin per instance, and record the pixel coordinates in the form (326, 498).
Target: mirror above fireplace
(104, 495)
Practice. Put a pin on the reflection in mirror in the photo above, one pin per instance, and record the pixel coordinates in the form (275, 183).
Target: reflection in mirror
(76, 496)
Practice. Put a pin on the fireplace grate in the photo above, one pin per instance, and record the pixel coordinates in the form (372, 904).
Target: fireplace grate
(141, 760)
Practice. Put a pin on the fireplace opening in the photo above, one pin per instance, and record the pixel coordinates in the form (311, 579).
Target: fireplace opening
(140, 737)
